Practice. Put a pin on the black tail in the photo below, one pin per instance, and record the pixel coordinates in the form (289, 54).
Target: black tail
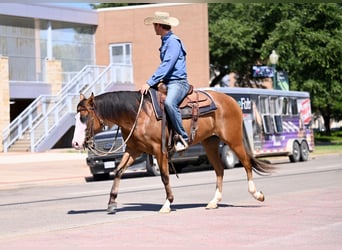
(259, 166)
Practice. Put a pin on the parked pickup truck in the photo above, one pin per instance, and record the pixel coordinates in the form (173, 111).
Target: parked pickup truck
(102, 166)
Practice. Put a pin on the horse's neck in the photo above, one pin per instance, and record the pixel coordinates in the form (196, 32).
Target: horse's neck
(114, 108)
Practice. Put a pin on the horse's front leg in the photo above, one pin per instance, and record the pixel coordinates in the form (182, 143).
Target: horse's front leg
(127, 160)
(165, 176)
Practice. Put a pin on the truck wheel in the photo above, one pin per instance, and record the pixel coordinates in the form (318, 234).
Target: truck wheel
(295, 156)
(152, 166)
(228, 157)
(304, 151)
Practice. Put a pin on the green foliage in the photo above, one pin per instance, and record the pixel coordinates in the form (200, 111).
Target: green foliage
(110, 5)
(334, 139)
(307, 37)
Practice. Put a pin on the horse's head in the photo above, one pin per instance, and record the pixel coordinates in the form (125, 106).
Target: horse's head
(87, 122)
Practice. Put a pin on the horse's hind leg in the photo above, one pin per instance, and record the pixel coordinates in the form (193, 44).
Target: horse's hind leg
(127, 160)
(246, 161)
(211, 146)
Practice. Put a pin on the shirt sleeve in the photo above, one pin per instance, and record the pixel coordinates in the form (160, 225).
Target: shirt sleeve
(172, 51)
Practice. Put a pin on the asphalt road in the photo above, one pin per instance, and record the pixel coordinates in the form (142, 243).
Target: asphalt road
(303, 209)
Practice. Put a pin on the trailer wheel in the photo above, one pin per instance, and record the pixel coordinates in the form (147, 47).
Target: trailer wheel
(228, 157)
(295, 156)
(304, 151)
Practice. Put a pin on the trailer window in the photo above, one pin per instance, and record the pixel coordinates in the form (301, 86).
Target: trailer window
(268, 124)
(264, 105)
(278, 123)
(272, 105)
(285, 106)
(279, 105)
(276, 110)
(293, 107)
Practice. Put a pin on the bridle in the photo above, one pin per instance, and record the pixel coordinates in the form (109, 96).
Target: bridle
(89, 139)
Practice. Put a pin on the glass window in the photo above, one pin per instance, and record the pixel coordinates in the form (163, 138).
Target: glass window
(273, 101)
(278, 123)
(293, 107)
(24, 42)
(268, 124)
(121, 53)
(264, 109)
(285, 106)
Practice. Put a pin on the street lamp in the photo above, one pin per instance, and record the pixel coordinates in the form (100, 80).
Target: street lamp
(274, 59)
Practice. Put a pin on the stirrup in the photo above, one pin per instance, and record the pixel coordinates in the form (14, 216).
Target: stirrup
(181, 145)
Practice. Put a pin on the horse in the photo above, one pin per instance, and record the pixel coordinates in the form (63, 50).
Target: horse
(142, 131)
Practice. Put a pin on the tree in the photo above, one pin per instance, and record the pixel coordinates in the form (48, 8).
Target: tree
(110, 5)
(308, 38)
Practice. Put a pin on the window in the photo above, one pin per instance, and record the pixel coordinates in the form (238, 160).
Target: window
(268, 124)
(271, 109)
(294, 107)
(121, 53)
(278, 123)
(285, 106)
(276, 109)
(265, 113)
(263, 105)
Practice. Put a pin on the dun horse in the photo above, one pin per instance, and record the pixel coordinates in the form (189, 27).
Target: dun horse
(145, 130)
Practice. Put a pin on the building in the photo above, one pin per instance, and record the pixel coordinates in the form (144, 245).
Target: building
(123, 27)
(44, 48)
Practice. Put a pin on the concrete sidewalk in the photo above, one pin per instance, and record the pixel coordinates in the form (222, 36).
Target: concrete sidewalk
(27, 169)
(51, 155)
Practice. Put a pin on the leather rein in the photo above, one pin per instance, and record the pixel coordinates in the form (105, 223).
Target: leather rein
(89, 142)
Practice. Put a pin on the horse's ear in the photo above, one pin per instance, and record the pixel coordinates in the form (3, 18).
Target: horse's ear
(82, 97)
(91, 100)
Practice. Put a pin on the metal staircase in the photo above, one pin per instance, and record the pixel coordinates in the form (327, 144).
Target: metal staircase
(47, 119)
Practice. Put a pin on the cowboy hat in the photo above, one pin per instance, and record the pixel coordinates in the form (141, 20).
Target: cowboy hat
(162, 18)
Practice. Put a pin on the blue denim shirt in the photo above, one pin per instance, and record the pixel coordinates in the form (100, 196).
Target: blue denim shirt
(173, 60)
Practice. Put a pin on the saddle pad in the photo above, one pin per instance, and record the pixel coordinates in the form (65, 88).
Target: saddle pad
(205, 102)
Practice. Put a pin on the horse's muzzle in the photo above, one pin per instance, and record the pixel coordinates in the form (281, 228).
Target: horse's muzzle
(76, 145)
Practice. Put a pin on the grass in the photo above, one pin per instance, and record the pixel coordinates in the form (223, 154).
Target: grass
(328, 144)
(327, 149)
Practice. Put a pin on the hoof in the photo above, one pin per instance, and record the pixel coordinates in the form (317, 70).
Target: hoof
(211, 206)
(111, 209)
(165, 210)
(261, 197)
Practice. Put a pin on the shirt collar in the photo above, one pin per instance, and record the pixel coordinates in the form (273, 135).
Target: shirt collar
(164, 38)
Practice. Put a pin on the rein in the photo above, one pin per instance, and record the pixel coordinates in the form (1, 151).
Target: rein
(90, 134)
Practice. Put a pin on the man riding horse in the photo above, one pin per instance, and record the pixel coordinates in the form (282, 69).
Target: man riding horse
(134, 113)
(171, 71)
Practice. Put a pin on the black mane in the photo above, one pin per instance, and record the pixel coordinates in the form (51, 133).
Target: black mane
(113, 105)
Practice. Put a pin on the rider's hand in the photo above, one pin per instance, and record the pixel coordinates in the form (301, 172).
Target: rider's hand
(144, 88)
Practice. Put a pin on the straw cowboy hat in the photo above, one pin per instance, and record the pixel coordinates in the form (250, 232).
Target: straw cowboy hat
(163, 18)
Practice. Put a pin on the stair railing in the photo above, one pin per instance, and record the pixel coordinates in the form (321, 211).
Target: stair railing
(114, 73)
(40, 106)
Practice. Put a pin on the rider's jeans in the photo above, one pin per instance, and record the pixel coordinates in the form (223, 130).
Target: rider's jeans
(176, 91)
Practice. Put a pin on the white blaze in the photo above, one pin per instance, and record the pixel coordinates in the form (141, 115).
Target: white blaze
(79, 133)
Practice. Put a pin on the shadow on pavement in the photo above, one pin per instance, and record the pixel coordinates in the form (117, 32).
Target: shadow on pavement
(150, 207)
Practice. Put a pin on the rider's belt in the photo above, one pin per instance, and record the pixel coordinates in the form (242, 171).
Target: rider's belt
(166, 81)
